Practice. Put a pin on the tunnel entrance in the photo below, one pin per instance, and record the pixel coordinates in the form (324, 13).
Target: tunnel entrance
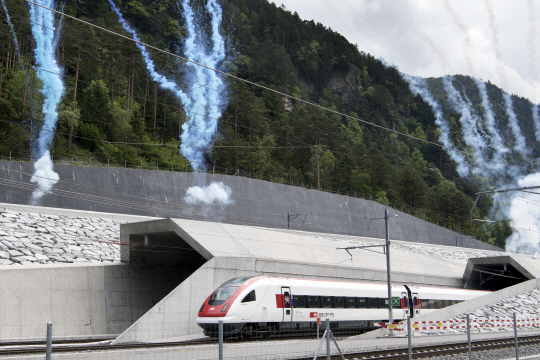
(163, 249)
(493, 277)
(496, 273)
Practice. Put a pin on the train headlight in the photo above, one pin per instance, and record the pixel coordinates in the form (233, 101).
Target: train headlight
(202, 308)
(225, 307)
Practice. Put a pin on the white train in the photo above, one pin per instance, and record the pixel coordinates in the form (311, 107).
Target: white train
(263, 304)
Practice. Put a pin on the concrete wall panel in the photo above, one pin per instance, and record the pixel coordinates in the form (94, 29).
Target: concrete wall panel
(255, 202)
(88, 299)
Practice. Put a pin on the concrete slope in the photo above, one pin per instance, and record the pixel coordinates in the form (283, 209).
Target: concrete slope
(454, 311)
(255, 202)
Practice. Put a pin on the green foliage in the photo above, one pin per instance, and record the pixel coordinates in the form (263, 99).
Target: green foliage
(260, 132)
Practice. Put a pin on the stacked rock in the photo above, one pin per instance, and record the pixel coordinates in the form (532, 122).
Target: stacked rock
(31, 238)
(496, 317)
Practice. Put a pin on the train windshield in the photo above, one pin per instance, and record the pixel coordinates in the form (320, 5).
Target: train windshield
(225, 291)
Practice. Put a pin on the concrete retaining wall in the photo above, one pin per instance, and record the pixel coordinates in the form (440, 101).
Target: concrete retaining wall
(175, 316)
(256, 202)
(93, 299)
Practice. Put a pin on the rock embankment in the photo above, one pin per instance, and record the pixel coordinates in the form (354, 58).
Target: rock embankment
(31, 238)
(494, 318)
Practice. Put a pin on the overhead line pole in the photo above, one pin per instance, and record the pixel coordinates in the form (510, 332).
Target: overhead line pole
(386, 248)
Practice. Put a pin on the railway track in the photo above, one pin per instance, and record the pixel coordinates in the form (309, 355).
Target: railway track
(94, 346)
(435, 350)
(389, 354)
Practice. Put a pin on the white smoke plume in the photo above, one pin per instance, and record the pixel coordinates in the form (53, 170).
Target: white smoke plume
(215, 193)
(519, 145)
(469, 125)
(44, 176)
(536, 119)
(491, 127)
(419, 86)
(524, 213)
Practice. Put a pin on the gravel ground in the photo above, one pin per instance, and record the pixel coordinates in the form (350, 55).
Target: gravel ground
(496, 354)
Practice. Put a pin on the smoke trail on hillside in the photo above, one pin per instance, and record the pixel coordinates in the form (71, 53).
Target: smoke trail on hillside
(519, 140)
(491, 126)
(536, 119)
(163, 82)
(13, 33)
(419, 86)
(207, 105)
(469, 126)
(53, 89)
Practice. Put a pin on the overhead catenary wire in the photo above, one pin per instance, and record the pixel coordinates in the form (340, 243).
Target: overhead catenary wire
(278, 147)
(229, 122)
(190, 215)
(218, 146)
(275, 91)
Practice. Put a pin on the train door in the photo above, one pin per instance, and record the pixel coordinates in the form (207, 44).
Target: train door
(416, 304)
(405, 304)
(287, 307)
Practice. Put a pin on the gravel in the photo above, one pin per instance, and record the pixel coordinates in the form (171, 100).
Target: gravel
(495, 354)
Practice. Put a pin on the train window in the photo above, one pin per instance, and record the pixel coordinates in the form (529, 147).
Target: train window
(327, 302)
(225, 291)
(313, 301)
(339, 302)
(351, 303)
(362, 303)
(383, 303)
(299, 301)
(249, 297)
(221, 295)
(424, 303)
(372, 302)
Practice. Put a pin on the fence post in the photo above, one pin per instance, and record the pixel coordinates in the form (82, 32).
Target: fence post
(220, 339)
(409, 336)
(469, 337)
(328, 356)
(516, 337)
(90, 162)
(125, 164)
(107, 162)
(10, 156)
(48, 349)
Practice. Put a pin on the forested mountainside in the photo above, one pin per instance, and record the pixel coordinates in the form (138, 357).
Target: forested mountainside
(113, 110)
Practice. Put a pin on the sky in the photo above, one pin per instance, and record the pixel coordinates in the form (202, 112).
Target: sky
(495, 40)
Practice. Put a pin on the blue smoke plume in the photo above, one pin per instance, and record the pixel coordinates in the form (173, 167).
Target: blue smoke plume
(163, 82)
(53, 89)
(419, 86)
(12, 30)
(207, 105)
(469, 126)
